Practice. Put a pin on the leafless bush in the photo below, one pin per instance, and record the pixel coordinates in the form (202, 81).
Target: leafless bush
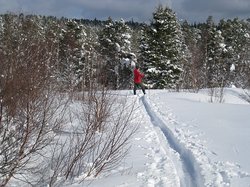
(246, 95)
(98, 143)
(216, 95)
(29, 105)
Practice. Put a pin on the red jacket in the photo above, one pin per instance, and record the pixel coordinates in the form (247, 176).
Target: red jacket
(137, 76)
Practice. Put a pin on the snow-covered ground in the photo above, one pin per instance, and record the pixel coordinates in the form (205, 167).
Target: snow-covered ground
(185, 140)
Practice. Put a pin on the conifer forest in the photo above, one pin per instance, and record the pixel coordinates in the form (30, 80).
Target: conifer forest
(172, 54)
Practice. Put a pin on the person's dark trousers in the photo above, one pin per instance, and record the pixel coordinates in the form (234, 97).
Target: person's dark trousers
(137, 85)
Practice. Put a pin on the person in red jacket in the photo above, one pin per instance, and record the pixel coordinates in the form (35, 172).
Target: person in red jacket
(138, 80)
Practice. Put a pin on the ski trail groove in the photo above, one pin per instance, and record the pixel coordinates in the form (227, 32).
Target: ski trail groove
(191, 169)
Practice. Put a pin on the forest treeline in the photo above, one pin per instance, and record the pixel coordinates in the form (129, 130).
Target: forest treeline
(172, 54)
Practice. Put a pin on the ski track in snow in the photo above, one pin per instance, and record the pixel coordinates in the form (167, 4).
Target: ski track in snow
(169, 154)
(160, 169)
(191, 174)
(196, 168)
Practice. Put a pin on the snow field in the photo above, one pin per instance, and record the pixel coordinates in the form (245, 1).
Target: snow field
(214, 171)
(182, 141)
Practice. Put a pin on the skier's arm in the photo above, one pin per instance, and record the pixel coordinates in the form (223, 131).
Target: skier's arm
(142, 75)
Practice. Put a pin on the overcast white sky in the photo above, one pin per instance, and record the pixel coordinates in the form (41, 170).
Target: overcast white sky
(139, 10)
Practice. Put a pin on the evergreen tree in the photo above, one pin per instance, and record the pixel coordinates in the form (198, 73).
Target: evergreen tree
(162, 50)
(237, 38)
(91, 59)
(71, 54)
(191, 75)
(115, 46)
(215, 65)
(213, 52)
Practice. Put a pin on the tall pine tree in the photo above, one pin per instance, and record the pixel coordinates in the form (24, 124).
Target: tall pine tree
(215, 65)
(237, 38)
(115, 46)
(71, 54)
(162, 50)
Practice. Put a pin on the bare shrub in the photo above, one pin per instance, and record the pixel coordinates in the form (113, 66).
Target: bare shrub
(216, 95)
(246, 95)
(29, 104)
(98, 143)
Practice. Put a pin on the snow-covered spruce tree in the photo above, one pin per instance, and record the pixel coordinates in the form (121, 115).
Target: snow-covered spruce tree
(71, 55)
(192, 70)
(216, 66)
(162, 49)
(213, 55)
(91, 63)
(237, 39)
(116, 51)
(246, 54)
